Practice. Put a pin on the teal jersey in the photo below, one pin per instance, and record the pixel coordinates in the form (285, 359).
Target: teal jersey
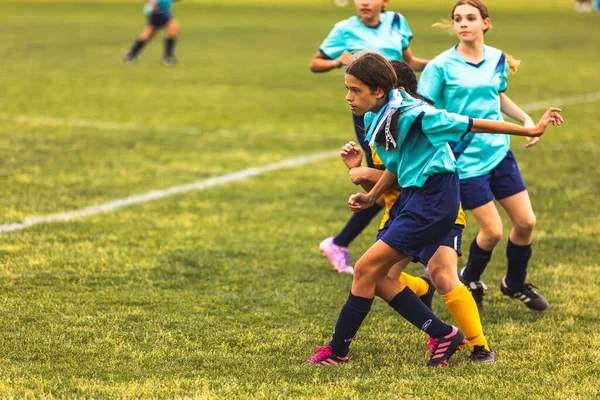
(453, 84)
(421, 139)
(162, 6)
(389, 38)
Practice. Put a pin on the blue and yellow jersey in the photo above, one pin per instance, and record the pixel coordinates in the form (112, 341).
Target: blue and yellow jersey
(453, 84)
(391, 195)
(162, 6)
(422, 135)
(389, 38)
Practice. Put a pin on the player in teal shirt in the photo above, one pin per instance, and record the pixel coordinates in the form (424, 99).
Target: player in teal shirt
(412, 139)
(159, 16)
(471, 79)
(373, 29)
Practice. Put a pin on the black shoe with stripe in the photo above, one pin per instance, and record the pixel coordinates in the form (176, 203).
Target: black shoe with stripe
(480, 355)
(529, 297)
(477, 289)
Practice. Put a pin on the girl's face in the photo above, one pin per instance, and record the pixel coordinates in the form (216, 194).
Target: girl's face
(360, 97)
(369, 9)
(468, 24)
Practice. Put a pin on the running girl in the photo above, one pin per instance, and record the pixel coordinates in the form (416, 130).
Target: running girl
(471, 79)
(159, 16)
(373, 29)
(411, 138)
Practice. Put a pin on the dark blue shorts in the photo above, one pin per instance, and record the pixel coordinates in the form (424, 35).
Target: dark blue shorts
(158, 20)
(504, 181)
(423, 219)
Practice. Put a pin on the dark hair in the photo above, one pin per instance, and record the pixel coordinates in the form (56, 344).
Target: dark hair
(407, 79)
(375, 72)
(478, 4)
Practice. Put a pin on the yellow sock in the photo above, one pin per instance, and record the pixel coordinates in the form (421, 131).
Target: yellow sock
(463, 309)
(417, 285)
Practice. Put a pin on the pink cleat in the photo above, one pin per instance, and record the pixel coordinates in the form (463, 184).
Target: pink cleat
(337, 255)
(444, 347)
(325, 356)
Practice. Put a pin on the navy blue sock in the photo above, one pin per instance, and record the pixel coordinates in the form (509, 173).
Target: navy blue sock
(518, 259)
(169, 46)
(137, 46)
(407, 304)
(351, 317)
(355, 225)
(478, 260)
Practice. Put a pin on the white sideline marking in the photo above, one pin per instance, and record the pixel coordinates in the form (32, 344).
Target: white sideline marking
(159, 194)
(562, 101)
(220, 180)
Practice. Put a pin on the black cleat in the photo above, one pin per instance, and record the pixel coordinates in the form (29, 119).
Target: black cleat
(477, 289)
(529, 297)
(169, 61)
(427, 298)
(129, 59)
(480, 355)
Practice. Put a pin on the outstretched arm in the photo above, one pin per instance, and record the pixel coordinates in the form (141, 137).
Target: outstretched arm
(511, 109)
(552, 116)
(320, 63)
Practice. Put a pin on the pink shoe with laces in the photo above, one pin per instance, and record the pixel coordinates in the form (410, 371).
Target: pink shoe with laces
(443, 348)
(325, 356)
(337, 255)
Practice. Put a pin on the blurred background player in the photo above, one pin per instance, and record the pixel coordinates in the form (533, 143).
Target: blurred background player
(159, 16)
(388, 34)
(470, 79)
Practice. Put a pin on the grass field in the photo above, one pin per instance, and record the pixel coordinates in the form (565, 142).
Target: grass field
(221, 292)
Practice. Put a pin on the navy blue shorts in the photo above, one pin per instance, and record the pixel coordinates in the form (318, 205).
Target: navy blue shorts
(504, 181)
(423, 219)
(158, 20)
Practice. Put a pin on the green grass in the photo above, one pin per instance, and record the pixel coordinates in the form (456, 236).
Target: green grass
(221, 293)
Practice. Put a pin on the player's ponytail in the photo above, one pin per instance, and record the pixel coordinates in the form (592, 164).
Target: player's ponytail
(513, 64)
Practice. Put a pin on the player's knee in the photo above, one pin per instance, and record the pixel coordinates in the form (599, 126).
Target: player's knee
(490, 238)
(525, 225)
(363, 271)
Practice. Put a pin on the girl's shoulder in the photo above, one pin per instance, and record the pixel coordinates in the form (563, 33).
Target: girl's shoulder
(443, 57)
(492, 52)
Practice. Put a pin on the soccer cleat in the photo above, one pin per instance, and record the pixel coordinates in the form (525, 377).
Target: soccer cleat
(337, 255)
(529, 297)
(480, 355)
(325, 356)
(129, 59)
(427, 298)
(169, 61)
(443, 348)
(477, 289)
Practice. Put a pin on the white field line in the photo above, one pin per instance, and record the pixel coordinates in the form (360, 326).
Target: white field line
(220, 180)
(159, 194)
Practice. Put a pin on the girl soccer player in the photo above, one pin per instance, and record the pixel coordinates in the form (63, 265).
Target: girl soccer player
(443, 266)
(411, 138)
(471, 79)
(374, 29)
(159, 16)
